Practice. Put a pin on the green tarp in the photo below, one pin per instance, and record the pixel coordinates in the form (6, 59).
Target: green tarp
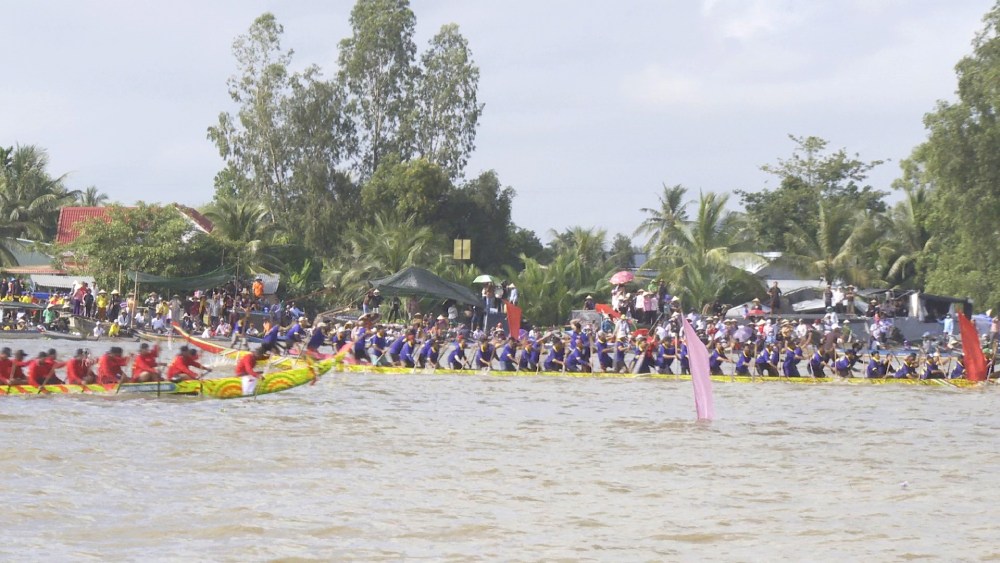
(204, 281)
(422, 283)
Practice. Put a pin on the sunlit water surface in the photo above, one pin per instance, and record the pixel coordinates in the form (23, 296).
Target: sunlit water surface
(377, 467)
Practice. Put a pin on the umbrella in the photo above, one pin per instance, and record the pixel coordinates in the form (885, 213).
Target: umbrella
(623, 276)
(486, 278)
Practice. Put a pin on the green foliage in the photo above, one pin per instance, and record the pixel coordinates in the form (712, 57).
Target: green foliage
(91, 197)
(832, 252)
(480, 210)
(376, 71)
(446, 111)
(961, 161)
(147, 238)
(621, 256)
(245, 234)
(663, 224)
(416, 189)
(810, 175)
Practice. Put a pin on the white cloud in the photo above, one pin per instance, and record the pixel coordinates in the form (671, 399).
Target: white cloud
(748, 19)
(655, 86)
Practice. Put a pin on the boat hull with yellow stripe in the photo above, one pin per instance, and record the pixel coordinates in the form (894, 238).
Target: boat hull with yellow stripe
(218, 388)
(836, 380)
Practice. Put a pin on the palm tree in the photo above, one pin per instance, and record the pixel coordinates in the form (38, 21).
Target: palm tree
(907, 239)
(664, 223)
(30, 199)
(90, 197)
(245, 230)
(378, 248)
(833, 253)
(701, 264)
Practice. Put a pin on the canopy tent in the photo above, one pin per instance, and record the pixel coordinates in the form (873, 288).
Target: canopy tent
(204, 281)
(422, 283)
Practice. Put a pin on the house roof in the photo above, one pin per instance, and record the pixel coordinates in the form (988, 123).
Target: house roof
(70, 219)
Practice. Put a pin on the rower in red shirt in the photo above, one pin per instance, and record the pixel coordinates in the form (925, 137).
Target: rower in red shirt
(6, 366)
(17, 376)
(42, 370)
(78, 370)
(144, 368)
(247, 363)
(180, 368)
(110, 366)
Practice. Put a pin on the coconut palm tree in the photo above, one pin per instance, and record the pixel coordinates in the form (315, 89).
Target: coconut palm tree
(90, 197)
(701, 264)
(664, 223)
(30, 198)
(834, 251)
(244, 229)
(907, 239)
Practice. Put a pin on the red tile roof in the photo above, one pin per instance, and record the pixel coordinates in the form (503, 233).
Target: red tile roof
(70, 219)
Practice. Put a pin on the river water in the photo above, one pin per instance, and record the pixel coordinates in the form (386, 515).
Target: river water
(378, 467)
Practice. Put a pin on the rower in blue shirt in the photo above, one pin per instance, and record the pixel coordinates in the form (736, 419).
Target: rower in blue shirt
(427, 357)
(604, 352)
(683, 358)
(874, 369)
(716, 358)
(763, 362)
(317, 338)
(576, 362)
(669, 355)
(394, 349)
(790, 367)
(456, 358)
(270, 338)
(743, 361)
(507, 354)
(483, 359)
(959, 371)
(621, 348)
(845, 365)
(378, 343)
(817, 365)
(360, 344)
(556, 357)
(530, 356)
(933, 367)
(408, 348)
(908, 369)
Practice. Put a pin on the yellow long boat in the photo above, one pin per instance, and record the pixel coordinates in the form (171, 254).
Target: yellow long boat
(218, 388)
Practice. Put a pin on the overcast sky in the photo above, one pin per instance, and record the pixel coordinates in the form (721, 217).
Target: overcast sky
(590, 107)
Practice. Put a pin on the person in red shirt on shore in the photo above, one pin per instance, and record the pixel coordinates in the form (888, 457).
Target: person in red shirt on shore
(6, 366)
(145, 367)
(181, 368)
(110, 367)
(78, 370)
(42, 370)
(248, 362)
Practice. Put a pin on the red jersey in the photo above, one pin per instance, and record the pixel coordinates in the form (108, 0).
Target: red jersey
(40, 369)
(109, 368)
(17, 372)
(76, 369)
(183, 364)
(246, 364)
(145, 362)
(6, 366)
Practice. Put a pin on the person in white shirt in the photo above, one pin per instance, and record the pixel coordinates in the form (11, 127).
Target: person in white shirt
(512, 297)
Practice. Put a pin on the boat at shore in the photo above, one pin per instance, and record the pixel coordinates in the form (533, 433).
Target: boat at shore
(218, 388)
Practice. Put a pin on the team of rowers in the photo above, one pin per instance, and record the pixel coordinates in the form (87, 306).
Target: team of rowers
(110, 368)
(581, 350)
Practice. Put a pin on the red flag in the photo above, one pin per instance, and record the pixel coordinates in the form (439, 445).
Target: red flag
(607, 310)
(700, 373)
(975, 362)
(513, 320)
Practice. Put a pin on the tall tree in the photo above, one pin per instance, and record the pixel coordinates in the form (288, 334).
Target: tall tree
(376, 70)
(244, 232)
(254, 143)
(480, 210)
(813, 173)
(962, 163)
(446, 111)
(663, 224)
(622, 253)
(416, 189)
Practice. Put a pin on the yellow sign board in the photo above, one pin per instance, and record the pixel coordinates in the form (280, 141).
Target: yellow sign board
(463, 249)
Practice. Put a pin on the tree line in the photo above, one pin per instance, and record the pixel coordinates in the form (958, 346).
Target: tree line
(335, 181)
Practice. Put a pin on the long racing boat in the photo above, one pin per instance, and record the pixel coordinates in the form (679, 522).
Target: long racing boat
(218, 388)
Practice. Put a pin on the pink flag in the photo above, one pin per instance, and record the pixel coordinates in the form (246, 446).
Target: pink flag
(700, 373)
